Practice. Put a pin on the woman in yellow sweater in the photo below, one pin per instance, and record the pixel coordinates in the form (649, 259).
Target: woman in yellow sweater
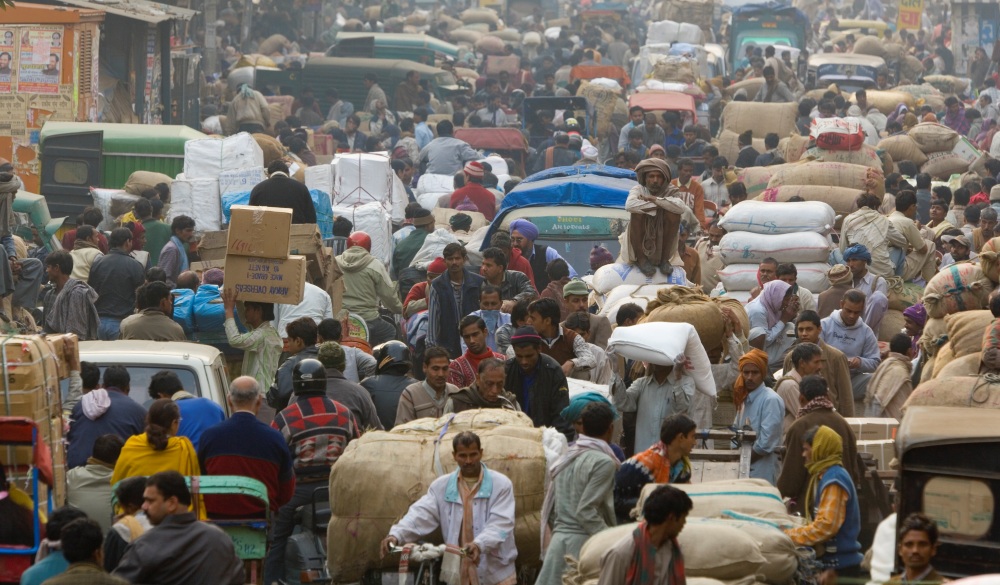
(159, 448)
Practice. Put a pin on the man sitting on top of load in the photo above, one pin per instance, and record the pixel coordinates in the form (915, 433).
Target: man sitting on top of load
(656, 213)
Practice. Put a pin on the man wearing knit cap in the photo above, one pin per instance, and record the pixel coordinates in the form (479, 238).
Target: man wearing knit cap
(523, 234)
(402, 256)
(416, 300)
(474, 192)
(656, 213)
(536, 380)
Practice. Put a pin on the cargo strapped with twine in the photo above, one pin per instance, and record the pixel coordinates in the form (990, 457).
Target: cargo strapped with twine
(984, 381)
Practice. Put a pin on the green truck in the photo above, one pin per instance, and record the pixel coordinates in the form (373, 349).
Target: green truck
(76, 156)
(770, 23)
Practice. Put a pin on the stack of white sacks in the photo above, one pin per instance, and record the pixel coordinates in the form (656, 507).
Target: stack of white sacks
(617, 284)
(432, 188)
(796, 233)
(213, 167)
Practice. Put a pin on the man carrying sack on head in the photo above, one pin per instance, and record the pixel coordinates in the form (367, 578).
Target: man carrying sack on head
(656, 214)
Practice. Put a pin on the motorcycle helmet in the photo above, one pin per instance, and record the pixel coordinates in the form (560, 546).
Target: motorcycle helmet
(360, 239)
(392, 355)
(309, 376)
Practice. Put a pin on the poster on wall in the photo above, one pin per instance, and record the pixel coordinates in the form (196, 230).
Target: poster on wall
(910, 13)
(40, 64)
(6, 59)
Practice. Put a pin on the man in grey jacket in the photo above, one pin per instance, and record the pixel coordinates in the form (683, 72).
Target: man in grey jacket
(179, 550)
(845, 330)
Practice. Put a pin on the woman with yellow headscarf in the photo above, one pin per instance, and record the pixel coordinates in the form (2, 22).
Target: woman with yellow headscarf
(832, 514)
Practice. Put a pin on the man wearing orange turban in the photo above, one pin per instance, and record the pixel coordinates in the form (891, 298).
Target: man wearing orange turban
(761, 409)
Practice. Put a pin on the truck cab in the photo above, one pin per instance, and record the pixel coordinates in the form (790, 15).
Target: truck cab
(765, 24)
(201, 368)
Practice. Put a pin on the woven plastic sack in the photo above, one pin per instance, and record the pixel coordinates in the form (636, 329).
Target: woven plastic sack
(779, 218)
(610, 276)
(837, 134)
(716, 499)
(665, 343)
(811, 275)
(622, 295)
(750, 248)
(680, 304)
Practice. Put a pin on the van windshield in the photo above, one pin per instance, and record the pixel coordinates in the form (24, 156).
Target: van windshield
(140, 375)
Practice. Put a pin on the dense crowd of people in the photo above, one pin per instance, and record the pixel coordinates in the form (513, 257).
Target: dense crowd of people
(509, 324)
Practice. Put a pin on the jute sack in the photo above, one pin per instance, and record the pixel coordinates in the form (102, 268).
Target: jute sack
(960, 287)
(711, 549)
(942, 165)
(381, 474)
(965, 331)
(832, 174)
(480, 15)
(947, 83)
(893, 52)
(273, 150)
(777, 548)
(509, 35)
(139, 181)
(272, 44)
(490, 45)
(792, 147)
(465, 35)
(865, 156)
(761, 118)
(931, 137)
(963, 391)
(887, 101)
(728, 145)
(903, 295)
(712, 499)
(869, 45)
(755, 179)
(990, 261)
(944, 356)
(892, 323)
(841, 199)
(680, 304)
(750, 86)
(963, 366)
(738, 309)
(910, 68)
(902, 147)
(934, 336)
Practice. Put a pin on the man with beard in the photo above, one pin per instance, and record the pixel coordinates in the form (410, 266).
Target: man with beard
(656, 213)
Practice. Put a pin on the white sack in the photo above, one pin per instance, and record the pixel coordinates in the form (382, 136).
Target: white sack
(669, 32)
(433, 248)
(319, 177)
(435, 184)
(429, 201)
(749, 248)
(208, 157)
(763, 217)
(664, 343)
(102, 200)
(627, 293)
(609, 276)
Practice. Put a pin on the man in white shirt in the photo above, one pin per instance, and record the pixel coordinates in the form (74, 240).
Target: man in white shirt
(315, 304)
(715, 187)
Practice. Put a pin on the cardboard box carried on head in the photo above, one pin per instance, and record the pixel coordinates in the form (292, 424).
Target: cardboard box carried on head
(263, 232)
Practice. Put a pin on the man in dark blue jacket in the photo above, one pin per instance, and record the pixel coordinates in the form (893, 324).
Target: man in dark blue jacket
(451, 296)
(103, 411)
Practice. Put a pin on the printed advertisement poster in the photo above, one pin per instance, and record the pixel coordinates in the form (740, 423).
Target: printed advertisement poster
(41, 60)
(6, 58)
(910, 12)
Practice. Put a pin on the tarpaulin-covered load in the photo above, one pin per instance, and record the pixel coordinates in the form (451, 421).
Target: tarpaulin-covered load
(208, 157)
(381, 474)
(584, 185)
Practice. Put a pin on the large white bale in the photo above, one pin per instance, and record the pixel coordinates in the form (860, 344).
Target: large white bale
(208, 157)
(662, 343)
(240, 180)
(320, 177)
(761, 217)
(361, 179)
(669, 32)
(610, 276)
(198, 199)
(375, 221)
(743, 277)
(750, 248)
(716, 499)
(435, 184)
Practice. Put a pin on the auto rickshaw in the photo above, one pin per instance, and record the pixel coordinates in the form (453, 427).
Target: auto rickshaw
(507, 142)
(950, 470)
(666, 101)
(21, 434)
(849, 71)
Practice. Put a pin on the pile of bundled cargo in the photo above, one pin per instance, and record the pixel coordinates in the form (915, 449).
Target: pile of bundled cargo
(33, 367)
(796, 233)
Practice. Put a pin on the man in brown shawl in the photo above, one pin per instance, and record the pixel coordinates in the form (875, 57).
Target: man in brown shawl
(656, 214)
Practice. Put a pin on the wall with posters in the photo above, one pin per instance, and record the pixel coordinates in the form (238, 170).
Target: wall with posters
(48, 71)
(973, 24)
